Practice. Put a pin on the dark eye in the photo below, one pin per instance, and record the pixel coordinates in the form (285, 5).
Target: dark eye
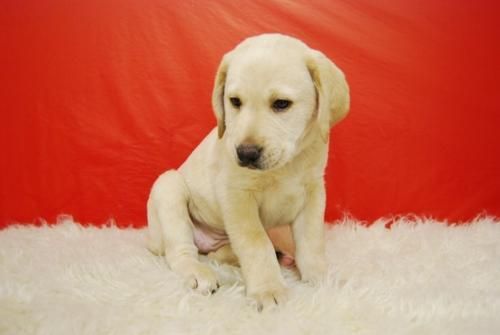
(281, 104)
(236, 102)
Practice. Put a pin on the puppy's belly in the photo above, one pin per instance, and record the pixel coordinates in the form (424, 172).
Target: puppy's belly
(207, 238)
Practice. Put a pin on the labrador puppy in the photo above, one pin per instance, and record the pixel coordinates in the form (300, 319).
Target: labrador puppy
(275, 100)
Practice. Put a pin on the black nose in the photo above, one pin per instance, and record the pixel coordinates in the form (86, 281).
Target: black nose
(248, 154)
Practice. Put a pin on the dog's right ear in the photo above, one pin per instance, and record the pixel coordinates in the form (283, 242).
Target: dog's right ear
(218, 95)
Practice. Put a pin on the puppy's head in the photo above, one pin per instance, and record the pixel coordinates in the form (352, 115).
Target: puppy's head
(270, 92)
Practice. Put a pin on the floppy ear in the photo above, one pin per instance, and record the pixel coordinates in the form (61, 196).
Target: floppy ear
(218, 95)
(331, 89)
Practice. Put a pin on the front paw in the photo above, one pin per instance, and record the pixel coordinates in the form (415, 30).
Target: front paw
(268, 296)
(312, 270)
(201, 278)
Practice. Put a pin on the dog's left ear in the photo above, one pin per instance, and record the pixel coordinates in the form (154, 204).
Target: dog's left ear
(218, 95)
(332, 91)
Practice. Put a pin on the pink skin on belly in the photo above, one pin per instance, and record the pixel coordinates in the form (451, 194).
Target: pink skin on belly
(209, 239)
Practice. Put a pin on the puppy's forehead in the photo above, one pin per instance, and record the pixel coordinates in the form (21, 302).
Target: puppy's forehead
(261, 69)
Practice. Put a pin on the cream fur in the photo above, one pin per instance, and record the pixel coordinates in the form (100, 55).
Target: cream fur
(287, 188)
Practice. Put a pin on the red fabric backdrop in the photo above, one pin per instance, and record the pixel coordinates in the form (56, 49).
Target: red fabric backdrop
(98, 97)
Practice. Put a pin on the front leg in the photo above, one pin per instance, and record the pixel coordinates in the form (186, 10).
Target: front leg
(309, 235)
(253, 248)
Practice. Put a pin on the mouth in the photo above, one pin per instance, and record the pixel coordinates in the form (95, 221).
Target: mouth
(251, 166)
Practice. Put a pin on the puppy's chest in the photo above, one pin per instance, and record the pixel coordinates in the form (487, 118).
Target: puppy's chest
(280, 203)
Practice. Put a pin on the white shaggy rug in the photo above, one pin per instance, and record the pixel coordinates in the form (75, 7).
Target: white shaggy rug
(419, 277)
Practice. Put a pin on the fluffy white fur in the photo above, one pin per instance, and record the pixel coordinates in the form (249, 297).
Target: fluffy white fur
(420, 277)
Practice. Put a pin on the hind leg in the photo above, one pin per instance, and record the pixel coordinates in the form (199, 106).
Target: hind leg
(171, 234)
(225, 255)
